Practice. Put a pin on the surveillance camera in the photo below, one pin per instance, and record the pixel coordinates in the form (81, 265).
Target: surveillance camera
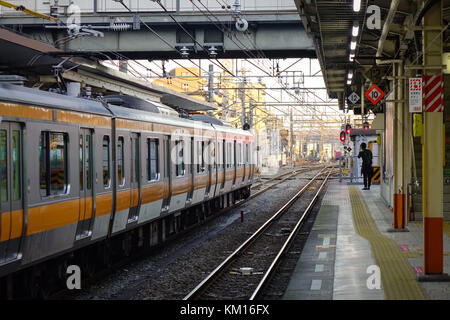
(241, 25)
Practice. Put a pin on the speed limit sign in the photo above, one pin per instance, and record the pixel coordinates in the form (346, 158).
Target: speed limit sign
(374, 94)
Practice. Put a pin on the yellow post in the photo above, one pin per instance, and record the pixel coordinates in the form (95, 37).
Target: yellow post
(432, 168)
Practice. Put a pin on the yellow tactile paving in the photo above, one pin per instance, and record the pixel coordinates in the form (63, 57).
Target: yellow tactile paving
(446, 228)
(397, 275)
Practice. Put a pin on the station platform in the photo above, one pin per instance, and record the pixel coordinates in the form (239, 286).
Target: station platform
(350, 255)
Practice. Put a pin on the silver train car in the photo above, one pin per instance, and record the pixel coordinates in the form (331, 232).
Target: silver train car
(83, 180)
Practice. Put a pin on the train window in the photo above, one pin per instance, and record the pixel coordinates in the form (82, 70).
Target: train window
(16, 164)
(179, 148)
(203, 156)
(136, 159)
(224, 154)
(211, 154)
(120, 161)
(3, 166)
(88, 166)
(191, 156)
(239, 155)
(167, 158)
(81, 163)
(200, 156)
(246, 153)
(152, 159)
(218, 159)
(53, 163)
(229, 155)
(237, 152)
(105, 163)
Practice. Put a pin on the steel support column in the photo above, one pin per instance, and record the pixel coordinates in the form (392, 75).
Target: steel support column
(432, 152)
(399, 189)
(407, 146)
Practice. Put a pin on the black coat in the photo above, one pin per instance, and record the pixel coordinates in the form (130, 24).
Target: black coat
(366, 156)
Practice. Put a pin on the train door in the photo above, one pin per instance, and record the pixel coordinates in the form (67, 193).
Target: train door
(86, 184)
(135, 181)
(11, 190)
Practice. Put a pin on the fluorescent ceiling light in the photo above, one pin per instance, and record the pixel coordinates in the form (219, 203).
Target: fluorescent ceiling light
(353, 45)
(355, 29)
(356, 5)
(350, 75)
(349, 81)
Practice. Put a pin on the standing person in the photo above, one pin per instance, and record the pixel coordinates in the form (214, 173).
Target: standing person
(366, 168)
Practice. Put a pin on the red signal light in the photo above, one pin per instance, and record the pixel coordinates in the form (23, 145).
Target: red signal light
(366, 125)
(348, 129)
(342, 137)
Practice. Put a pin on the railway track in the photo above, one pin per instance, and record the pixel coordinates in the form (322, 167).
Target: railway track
(300, 170)
(246, 271)
(128, 293)
(290, 174)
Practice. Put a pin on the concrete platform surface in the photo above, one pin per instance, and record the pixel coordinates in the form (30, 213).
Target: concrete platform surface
(351, 255)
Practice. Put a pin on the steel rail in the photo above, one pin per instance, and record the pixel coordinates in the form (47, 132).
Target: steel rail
(295, 171)
(288, 241)
(204, 284)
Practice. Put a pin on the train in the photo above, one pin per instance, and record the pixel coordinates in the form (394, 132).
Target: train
(83, 180)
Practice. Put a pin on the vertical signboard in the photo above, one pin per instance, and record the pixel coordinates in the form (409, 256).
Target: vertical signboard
(415, 95)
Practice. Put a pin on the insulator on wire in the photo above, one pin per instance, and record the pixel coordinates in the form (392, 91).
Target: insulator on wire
(120, 26)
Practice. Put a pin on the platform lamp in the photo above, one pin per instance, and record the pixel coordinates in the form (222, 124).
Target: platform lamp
(356, 5)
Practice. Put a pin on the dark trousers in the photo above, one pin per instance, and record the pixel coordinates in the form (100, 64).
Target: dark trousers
(367, 175)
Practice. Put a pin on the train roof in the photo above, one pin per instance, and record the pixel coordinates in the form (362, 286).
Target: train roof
(34, 96)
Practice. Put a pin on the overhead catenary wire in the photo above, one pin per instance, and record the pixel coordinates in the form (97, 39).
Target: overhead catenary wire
(184, 29)
(136, 73)
(195, 41)
(188, 33)
(261, 53)
(164, 40)
(245, 49)
(260, 68)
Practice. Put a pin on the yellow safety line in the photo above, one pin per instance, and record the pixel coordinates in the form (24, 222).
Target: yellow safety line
(446, 228)
(397, 275)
